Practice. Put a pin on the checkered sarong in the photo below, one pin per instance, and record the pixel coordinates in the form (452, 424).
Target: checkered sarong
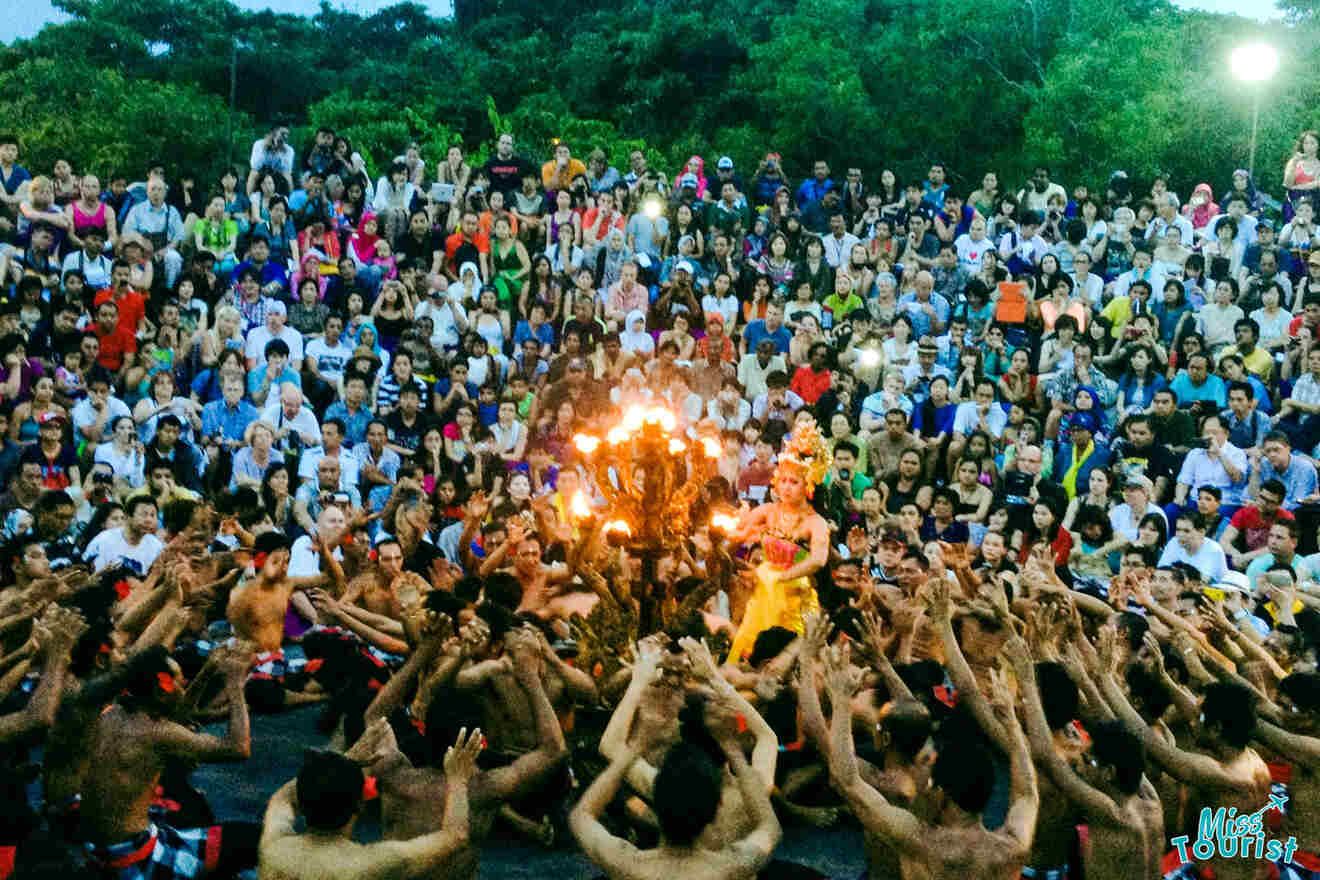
(159, 853)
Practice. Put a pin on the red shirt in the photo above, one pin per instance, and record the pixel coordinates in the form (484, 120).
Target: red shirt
(132, 308)
(1253, 528)
(810, 385)
(114, 345)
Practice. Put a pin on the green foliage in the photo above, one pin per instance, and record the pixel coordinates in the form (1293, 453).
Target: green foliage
(107, 121)
(1085, 85)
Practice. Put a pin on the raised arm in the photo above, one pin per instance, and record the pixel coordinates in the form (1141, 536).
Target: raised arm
(427, 855)
(1097, 805)
(236, 745)
(959, 672)
(1189, 767)
(509, 782)
(765, 753)
(898, 826)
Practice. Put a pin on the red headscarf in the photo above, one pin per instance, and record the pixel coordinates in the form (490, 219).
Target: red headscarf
(364, 246)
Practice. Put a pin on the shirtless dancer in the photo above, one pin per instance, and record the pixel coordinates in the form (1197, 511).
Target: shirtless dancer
(903, 737)
(413, 798)
(257, 609)
(1119, 804)
(1226, 773)
(131, 744)
(377, 600)
(328, 793)
(687, 795)
(956, 845)
(1299, 744)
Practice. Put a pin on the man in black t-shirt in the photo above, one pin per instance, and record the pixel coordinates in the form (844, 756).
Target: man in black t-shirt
(1139, 454)
(506, 168)
(406, 425)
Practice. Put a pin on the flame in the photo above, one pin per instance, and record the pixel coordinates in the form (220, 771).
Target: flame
(711, 447)
(618, 527)
(633, 418)
(676, 446)
(579, 506)
(586, 443)
(654, 415)
(724, 522)
(668, 420)
(618, 434)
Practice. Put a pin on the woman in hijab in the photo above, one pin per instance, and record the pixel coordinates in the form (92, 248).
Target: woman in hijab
(612, 257)
(634, 337)
(1201, 208)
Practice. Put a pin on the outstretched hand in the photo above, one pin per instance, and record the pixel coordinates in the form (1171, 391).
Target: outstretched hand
(376, 742)
(461, 757)
(841, 677)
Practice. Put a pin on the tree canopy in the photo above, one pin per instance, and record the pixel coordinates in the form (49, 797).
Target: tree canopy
(1087, 87)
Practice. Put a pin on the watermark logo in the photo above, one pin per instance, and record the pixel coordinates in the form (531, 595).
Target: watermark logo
(1222, 832)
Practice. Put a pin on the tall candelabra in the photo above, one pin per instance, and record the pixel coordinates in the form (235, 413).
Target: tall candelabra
(650, 479)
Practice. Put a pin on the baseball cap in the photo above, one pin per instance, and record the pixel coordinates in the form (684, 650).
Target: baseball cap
(643, 260)
(276, 307)
(683, 266)
(893, 536)
(1084, 420)
(725, 162)
(688, 179)
(1265, 224)
(48, 417)
(1134, 481)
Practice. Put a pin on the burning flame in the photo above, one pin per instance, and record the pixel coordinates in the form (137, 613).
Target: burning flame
(586, 443)
(633, 418)
(724, 522)
(618, 434)
(668, 421)
(579, 506)
(711, 447)
(618, 527)
(676, 446)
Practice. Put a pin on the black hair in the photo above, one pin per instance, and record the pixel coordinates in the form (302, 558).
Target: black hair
(770, 643)
(498, 618)
(1133, 627)
(329, 789)
(1233, 709)
(1148, 692)
(1058, 694)
(504, 589)
(178, 514)
(269, 542)
(909, 727)
(1115, 746)
(1303, 688)
(966, 774)
(142, 680)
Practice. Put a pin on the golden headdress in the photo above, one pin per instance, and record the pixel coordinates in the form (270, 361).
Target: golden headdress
(805, 448)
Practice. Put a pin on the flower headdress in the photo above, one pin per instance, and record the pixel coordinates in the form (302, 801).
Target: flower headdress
(805, 448)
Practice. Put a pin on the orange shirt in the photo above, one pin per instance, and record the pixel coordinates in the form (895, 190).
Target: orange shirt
(555, 178)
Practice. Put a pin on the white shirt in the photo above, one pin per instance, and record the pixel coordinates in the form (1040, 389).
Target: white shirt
(444, 329)
(1126, 525)
(966, 419)
(330, 360)
(306, 562)
(348, 466)
(839, 250)
(971, 252)
(1208, 560)
(257, 337)
(1093, 288)
(303, 423)
(264, 157)
(110, 547)
(96, 270)
(84, 414)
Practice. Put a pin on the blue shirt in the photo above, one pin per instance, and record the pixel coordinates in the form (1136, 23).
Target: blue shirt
(18, 176)
(813, 190)
(756, 331)
(258, 375)
(921, 322)
(219, 419)
(1299, 480)
(1212, 389)
(354, 423)
(545, 334)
